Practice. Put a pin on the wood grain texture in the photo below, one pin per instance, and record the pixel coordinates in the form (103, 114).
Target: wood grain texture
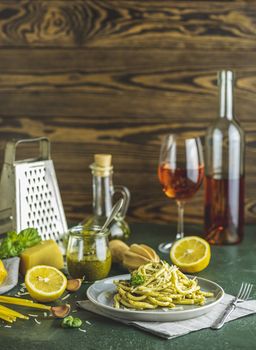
(128, 23)
(114, 76)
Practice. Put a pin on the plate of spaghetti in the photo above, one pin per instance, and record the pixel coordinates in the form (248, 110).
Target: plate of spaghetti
(155, 292)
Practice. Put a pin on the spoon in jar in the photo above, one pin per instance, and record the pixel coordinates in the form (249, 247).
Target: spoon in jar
(116, 208)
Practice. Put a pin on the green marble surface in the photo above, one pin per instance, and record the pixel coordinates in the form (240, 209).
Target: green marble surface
(229, 267)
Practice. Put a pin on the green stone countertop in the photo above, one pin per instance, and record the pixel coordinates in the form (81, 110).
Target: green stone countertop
(229, 266)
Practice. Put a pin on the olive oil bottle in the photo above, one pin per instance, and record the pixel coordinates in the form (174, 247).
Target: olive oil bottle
(103, 193)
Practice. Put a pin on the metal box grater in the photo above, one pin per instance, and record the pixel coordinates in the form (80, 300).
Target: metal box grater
(29, 193)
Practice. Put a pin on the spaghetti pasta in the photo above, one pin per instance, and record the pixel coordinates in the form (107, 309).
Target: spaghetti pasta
(155, 285)
(23, 302)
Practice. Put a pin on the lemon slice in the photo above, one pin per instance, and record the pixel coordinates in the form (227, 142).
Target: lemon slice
(3, 272)
(191, 254)
(45, 283)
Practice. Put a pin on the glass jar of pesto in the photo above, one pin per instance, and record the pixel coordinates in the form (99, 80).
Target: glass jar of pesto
(88, 254)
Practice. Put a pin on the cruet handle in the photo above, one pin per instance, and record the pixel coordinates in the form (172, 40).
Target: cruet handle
(126, 197)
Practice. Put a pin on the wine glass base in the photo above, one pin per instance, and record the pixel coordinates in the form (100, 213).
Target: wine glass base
(165, 247)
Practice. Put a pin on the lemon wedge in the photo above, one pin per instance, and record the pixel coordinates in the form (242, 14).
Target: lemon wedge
(45, 283)
(191, 254)
(3, 272)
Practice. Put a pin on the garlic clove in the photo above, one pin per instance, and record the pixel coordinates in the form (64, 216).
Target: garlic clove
(61, 311)
(74, 284)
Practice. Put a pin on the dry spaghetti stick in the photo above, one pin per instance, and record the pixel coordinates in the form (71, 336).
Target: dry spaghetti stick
(30, 305)
(23, 302)
(4, 313)
(13, 300)
(9, 319)
(40, 306)
(10, 312)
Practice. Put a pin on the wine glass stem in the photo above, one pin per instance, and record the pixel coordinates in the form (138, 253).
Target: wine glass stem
(180, 228)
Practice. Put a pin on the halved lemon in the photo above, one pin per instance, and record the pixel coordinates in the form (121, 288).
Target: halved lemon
(3, 272)
(191, 254)
(45, 283)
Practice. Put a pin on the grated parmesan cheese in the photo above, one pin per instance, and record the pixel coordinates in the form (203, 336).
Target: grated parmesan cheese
(25, 293)
(65, 297)
(82, 330)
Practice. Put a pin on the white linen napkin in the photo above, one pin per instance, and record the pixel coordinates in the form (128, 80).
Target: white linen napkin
(169, 330)
(12, 267)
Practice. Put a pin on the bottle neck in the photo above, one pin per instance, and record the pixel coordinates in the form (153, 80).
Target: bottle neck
(102, 191)
(226, 96)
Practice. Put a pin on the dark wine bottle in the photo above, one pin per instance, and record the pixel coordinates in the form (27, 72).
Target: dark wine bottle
(224, 170)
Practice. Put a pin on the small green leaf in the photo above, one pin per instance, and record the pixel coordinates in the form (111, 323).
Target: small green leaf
(14, 244)
(137, 280)
(71, 322)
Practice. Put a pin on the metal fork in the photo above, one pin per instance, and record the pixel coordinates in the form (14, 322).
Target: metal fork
(243, 295)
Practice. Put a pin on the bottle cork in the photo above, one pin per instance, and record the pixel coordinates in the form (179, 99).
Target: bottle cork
(102, 165)
(103, 160)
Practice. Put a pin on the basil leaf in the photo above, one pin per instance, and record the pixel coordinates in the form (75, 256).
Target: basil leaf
(137, 280)
(14, 244)
(71, 322)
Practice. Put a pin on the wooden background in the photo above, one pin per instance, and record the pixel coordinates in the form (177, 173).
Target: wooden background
(113, 76)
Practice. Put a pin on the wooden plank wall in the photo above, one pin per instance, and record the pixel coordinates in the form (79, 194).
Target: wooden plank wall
(114, 76)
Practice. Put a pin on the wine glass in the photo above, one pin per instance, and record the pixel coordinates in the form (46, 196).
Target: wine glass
(180, 172)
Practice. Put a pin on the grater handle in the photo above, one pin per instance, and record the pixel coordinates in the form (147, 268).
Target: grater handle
(10, 150)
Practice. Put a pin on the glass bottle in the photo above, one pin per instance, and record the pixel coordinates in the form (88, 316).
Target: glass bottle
(103, 192)
(224, 170)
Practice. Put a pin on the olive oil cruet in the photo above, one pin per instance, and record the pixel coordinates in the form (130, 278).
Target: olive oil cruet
(103, 193)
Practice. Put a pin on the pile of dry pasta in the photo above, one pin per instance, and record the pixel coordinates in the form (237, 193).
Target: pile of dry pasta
(10, 315)
(158, 285)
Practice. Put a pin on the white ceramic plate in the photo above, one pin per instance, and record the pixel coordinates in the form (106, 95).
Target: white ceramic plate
(101, 294)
